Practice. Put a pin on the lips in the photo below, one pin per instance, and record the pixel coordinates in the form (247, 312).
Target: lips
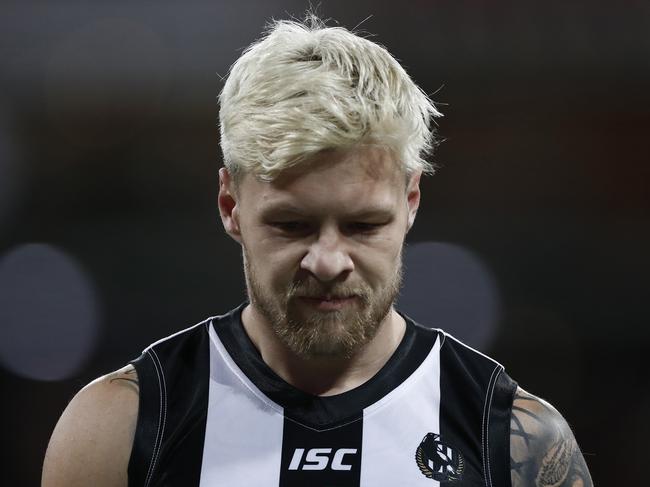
(328, 297)
(328, 302)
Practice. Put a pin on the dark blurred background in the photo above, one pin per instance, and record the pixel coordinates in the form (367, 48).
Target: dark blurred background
(531, 243)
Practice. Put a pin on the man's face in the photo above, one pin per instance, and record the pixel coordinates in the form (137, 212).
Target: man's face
(322, 246)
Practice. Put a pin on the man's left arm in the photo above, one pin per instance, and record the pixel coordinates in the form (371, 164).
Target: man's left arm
(543, 450)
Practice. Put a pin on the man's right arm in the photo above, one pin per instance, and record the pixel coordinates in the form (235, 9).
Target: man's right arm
(91, 444)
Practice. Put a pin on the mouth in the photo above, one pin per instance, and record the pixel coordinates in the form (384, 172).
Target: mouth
(328, 302)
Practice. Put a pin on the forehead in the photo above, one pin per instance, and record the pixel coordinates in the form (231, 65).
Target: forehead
(350, 180)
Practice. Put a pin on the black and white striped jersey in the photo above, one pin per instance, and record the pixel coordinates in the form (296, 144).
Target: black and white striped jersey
(213, 414)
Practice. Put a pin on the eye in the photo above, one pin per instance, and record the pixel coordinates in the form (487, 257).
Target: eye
(291, 227)
(364, 227)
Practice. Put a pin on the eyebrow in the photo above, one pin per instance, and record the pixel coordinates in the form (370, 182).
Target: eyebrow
(373, 212)
(284, 208)
(380, 211)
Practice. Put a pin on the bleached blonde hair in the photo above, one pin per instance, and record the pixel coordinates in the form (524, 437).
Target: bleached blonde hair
(305, 87)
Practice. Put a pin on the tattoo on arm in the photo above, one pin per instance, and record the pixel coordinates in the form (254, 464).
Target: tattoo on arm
(543, 450)
(129, 378)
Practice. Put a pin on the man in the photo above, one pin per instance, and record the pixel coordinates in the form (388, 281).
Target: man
(317, 380)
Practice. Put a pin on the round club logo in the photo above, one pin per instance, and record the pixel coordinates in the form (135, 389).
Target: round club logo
(439, 461)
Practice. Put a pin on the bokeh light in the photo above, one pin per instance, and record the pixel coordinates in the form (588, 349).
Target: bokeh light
(48, 311)
(447, 286)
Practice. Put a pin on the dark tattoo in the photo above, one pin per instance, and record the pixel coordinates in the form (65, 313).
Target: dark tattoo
(543, 450)
(130, 377)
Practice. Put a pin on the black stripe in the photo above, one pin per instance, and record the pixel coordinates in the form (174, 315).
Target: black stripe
(486, 440)
(464, 382)
(149, 421)
(168, 444)
(329, 458)
(499, 430)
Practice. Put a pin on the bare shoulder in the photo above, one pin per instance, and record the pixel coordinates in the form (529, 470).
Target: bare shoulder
(91, 443)
(543, 450)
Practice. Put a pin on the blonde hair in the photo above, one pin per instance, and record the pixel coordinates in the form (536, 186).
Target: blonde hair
(305, 87)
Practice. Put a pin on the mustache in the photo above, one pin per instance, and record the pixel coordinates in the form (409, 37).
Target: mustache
(313, 289)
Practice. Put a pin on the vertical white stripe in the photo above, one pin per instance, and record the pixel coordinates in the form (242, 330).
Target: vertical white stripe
(243, 435)
(394, 427)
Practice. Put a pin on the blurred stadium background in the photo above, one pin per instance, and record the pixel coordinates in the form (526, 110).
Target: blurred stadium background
(532, 243)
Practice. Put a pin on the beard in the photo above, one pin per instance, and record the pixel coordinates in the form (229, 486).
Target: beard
(311, 333)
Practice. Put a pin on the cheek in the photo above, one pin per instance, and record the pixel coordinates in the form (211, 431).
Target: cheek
(378, 263)
(276, 263)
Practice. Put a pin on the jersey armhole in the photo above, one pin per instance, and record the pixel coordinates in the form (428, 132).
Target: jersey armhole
(497, 430)
(148, 433)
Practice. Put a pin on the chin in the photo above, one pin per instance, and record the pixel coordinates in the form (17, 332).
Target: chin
(332, 334)
(329, 349)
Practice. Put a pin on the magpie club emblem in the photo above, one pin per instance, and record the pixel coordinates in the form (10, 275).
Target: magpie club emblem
(439, 461)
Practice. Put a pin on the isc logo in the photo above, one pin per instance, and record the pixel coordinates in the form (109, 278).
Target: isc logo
(319, 459)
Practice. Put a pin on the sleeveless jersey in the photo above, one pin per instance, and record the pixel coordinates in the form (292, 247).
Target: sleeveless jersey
(212, 413)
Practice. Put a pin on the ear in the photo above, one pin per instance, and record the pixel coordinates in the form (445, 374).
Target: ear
(413, 198)
(228, 208)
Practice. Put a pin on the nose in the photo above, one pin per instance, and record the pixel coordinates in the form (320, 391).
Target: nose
(327, 258)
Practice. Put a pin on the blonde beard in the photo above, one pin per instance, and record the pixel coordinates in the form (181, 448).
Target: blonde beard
(339, 333)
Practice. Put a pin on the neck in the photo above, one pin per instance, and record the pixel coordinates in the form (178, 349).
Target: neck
(324, 376)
